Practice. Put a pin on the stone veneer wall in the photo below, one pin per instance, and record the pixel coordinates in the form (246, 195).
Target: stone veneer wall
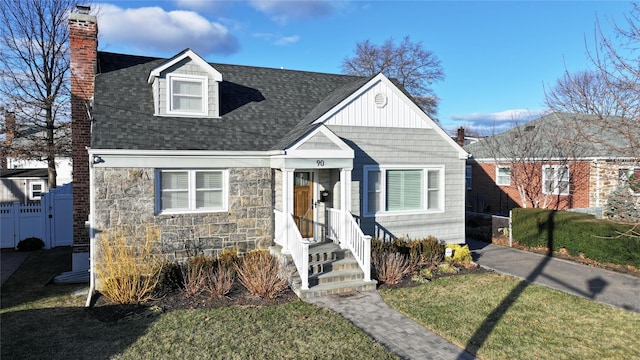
(125, 197)
(607, 174)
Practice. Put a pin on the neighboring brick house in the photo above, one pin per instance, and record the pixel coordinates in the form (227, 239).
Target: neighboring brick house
(219, 156)
(582, 177)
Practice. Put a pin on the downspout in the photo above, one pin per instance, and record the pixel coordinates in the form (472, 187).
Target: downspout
(92, 279)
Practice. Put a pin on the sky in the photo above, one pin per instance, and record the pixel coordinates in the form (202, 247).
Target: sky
(498, 57)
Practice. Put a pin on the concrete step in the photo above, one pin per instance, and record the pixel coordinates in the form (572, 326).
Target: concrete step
(332, 265)
(335, 288)
(333, 277)
(327, 252)
(332, 271)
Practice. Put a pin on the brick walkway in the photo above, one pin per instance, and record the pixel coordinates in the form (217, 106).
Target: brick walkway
(399, 334)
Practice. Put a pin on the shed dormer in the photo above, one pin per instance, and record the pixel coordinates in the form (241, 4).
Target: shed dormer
(187, 86)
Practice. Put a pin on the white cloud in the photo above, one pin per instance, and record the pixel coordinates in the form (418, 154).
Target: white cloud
(277, 39)
(284, 11)
(287, 40)
(152, 29)
(495, 122)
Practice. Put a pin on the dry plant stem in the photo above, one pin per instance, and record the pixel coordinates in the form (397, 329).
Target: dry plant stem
(392, 267)
(128, 267)
(195, 280)
(261, 274)
(220, 281)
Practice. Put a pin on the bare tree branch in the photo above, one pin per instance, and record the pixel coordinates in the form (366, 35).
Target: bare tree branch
(34, 70)
(408, 62)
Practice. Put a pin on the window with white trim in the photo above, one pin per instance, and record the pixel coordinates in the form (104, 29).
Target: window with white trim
(36, 188)
(503, 175)
(191, 191)
(555, 179)
(187, 95)
(400, 189)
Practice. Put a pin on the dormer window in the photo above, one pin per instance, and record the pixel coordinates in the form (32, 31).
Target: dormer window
(186, 86)
(187, 95)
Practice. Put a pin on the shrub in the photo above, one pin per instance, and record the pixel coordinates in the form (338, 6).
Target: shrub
(201, 262)
(194, 280)
(129, 266)
(461, 254)
(195, 274)
(597, 239)
(261, 274)
(220, 279)
(30, 244)
(447, 268)
(422, 251)
(622, 205)
(390, 267)
(229, 258)
(170, 278)
(431, 250)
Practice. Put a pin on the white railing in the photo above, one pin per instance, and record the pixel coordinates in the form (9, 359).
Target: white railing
(334, 225)
(289, 237)
(345, 231)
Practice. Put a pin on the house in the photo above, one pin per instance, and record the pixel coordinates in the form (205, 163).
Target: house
(549, 163)
(219, 156)
(21, 150)
(22, 185)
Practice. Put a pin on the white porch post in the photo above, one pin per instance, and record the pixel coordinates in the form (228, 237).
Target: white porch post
(345, 203)
(287, 206)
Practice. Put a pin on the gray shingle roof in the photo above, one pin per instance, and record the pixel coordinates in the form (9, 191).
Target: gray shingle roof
(559, 132)
(261, 108)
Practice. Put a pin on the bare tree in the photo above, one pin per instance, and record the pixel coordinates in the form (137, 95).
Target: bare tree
(408, 62)
(34, 70)
(610, 92)
(586, 92)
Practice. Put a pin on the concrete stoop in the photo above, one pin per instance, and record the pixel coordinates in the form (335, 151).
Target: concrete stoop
(332, 270)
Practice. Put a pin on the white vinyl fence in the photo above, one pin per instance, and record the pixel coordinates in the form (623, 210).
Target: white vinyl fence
(51, 220)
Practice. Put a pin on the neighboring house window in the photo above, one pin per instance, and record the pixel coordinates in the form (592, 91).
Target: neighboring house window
(503, 175)
(192, 190)
(468, 177)
(35, 190)
(187, 95)
(555, 179)
(396, 190)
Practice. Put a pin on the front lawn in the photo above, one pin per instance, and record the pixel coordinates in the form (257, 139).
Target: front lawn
(501, 317)
(50, 322)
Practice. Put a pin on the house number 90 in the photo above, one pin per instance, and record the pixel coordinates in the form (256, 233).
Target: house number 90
(320, 163)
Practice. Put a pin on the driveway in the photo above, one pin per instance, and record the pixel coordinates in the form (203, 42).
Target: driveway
(608, 287)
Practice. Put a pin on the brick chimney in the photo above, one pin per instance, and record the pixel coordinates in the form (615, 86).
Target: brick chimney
(83, 39)
(460, 139)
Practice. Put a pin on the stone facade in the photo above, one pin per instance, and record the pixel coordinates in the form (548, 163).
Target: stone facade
(125, 197)
(604, 178)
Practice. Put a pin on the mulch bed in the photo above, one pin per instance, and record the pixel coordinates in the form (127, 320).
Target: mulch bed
(106, 311)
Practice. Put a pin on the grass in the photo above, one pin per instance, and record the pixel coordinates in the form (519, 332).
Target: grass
(50, 322)
(501, 317)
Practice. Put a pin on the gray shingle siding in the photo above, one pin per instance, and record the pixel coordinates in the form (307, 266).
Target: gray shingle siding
(396, 146)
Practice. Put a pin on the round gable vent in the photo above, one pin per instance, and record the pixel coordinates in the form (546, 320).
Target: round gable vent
(381, 100)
